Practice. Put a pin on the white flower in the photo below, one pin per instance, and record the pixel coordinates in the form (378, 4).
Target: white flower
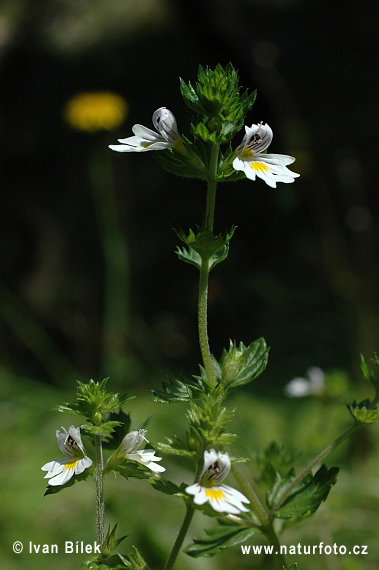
(313, 384)
(129, 446)
(61, 470)
(252, 160)
(222, 498)
(145, 139)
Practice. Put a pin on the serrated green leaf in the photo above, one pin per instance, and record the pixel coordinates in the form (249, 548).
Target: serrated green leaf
(105, 429)
(169, 488)
(129, 469)
(365, 412)
(175, 446)
(182, 390)
(219, 539)
(273, 460)
(132, 560)
(242, 364)
(306, 496)
(189, 256)
(111, 542)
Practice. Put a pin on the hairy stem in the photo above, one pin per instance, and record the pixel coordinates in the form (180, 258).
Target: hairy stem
(272, 537)
(211, 190)
(203, 322)
(180, 538)
(99, 490)
(250, 494)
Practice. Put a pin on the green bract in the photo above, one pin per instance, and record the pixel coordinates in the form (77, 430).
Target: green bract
(204, 247)
(93, 401)
(365, 412)
(217, 100)
(240, 365)
(110, 542)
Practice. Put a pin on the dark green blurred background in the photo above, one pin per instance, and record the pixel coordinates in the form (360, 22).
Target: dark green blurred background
(302, 269)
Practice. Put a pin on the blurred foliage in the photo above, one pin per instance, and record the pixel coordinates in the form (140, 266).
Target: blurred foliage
(302, 269)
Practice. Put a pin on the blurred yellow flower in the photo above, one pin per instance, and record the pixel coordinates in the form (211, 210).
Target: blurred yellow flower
(93, 112)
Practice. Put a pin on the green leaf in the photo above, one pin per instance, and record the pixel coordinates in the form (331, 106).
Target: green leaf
(128, 470)
(119, 432)
(105, 429)
(217, 539)
(182, 390)
(306, 496)
(189, 256)
(176, 446)
(293, 567)
(240, 365)
(273, 460)
(111, 542)
(169, 488)
(132, 560)
(365, 412)
(53, 489)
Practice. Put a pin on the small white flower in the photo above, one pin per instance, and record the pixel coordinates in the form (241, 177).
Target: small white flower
(145, 139)
(61, 470)
(129, 446)
(314, 383)
(252, 160)
(222, 498)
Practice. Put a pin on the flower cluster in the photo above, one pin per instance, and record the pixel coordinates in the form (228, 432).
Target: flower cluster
(250, 156)
(222, 498)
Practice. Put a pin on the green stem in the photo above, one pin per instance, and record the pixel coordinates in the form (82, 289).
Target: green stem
(272, 537)
(203, 322)
(203, 331)
(180, 538)
(99, 490)
(250, 494)
(309, 468)
(211, 190)
(204, 270)
(190, 511)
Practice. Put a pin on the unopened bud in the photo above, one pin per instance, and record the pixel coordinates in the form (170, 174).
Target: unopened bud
(132, 441)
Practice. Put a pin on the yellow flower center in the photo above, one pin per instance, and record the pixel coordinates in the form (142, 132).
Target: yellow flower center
(146, 145)
(259, 166)
(71, 464)
(93, 112)
(214, 494)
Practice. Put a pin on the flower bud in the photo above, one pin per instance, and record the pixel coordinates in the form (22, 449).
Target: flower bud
(194, 440)
(233, 362)
(97, 418)
(132, 441)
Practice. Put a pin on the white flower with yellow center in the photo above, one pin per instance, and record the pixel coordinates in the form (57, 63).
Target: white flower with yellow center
(145, 139)
(129, 449)
(61, 470)
(252, 160)
(222, 498)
